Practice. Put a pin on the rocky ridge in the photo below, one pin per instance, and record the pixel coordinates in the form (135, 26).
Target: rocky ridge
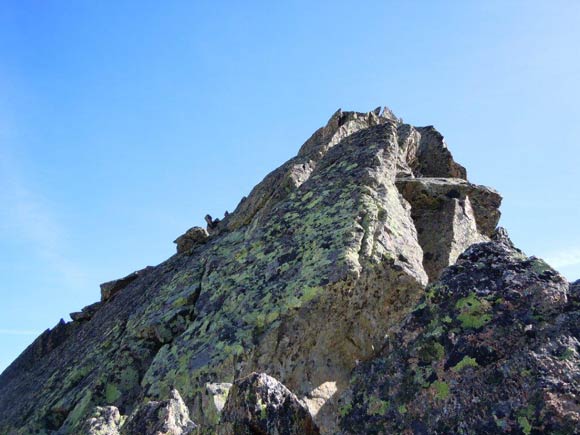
(367, 282)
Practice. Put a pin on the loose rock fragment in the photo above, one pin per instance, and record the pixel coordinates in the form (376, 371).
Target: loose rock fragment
(193, 237)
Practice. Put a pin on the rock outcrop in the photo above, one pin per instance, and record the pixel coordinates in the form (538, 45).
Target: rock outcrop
(318, 280)
(193, 237)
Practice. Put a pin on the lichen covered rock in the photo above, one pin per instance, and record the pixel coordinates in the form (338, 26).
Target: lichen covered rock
(306, 281)
(492, 348)
(259, 404)
(103, 421)
(167, 417)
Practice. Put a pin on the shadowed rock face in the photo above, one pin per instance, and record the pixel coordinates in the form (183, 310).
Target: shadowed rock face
(304, 281)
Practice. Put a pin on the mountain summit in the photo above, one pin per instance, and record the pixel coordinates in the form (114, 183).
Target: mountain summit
(361, 287)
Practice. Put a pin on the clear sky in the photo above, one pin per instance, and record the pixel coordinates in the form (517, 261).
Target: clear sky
(123, 123)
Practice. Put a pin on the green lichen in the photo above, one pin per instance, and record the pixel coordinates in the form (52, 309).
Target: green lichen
(441, 389)
(309, 293)
(434, 289)
(467, 361)
(567, 354)
(263, 409)
(525, 425)
(432, 351)
(420, 306)
(402, 409)
(422, 375)
(539, 266)
(377, 406)
(473, 321)
(345, 409)
(112, 393)
(473, 311)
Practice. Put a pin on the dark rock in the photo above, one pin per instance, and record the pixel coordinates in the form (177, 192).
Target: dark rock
(212, 224)
(259, 404)
(434, 158)
(464, 360)
(110, 288)
(86, 313)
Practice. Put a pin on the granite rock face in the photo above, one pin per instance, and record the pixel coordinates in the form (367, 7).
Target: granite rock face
(450, 215)
(307, 281)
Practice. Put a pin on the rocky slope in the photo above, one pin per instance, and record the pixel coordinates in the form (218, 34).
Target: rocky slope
(362, 287)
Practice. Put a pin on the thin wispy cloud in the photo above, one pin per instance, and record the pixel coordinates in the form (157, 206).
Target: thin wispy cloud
(564, 258)
(32, 219)
(18, 332)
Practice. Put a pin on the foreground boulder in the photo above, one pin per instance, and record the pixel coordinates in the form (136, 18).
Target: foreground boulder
(259, 404)
(104, 420)
(167, 417)
(492, 348)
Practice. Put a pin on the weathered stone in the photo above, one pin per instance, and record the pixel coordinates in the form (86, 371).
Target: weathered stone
(259, 404)
(167, 417)
(447, 219)
(193, 237)
(104, 420)
(86, 313)
(434, 158)
(492, 348)
(110, 288)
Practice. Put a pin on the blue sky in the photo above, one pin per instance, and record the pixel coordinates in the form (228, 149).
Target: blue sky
(123, 123)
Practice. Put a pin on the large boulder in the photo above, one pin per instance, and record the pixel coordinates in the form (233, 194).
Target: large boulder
(259, 404)
(492, 348)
